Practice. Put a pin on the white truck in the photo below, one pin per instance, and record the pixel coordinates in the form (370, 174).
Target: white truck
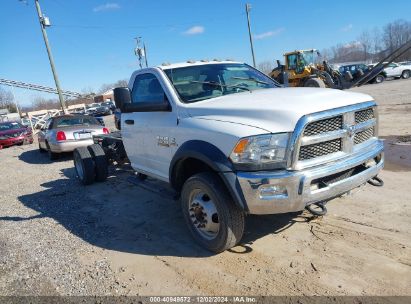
(397, 70)
(232, 142)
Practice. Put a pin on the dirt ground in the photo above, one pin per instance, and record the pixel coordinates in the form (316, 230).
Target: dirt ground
(117, 238)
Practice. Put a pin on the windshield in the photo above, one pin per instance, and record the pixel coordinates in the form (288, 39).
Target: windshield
(76, 121)
(195, 83)
(6, 126)
(310, 57)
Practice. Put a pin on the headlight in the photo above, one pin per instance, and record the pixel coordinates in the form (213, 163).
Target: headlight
(261, 152)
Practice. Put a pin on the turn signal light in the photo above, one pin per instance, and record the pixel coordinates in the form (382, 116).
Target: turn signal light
(60, 136)
(106, 131)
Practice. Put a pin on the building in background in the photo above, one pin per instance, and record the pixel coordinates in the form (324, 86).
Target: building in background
(106, 96)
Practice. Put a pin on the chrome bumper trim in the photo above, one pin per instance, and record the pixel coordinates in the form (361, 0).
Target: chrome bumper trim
(298, 183)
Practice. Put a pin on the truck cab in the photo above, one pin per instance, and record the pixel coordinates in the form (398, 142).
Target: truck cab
(231, 141)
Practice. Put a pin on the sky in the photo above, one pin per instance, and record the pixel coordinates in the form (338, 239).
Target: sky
(93, 41)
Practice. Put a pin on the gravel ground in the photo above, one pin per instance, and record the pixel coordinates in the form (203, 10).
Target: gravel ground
(115, 238)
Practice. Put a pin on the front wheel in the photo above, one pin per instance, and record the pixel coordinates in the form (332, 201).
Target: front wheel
(405, 74)
(213, 219)
(314, 83)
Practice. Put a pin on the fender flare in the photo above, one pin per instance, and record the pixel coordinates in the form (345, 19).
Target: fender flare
(214, 158)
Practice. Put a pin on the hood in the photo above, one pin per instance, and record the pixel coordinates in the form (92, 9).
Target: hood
(13, 131)
(273, 110)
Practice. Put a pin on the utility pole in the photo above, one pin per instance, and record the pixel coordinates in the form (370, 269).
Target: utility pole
(44, 22)
(247, 10)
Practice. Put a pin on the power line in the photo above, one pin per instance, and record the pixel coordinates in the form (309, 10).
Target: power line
(99, 26)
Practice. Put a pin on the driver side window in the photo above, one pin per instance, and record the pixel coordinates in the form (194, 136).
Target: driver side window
(147, 88)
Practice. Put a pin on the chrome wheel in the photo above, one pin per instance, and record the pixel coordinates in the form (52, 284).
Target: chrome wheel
(79, 167)
(203, 214)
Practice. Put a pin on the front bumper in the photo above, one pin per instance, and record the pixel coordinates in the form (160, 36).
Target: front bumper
(289, 191)
(69, 146)
(15, 141)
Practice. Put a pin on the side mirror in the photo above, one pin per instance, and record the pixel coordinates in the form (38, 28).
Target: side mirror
(122, 97)
(151, 106)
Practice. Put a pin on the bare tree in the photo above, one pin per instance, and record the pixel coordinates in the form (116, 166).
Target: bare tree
(366, 42)
(266, 67)
(7, 101)
(396, 34)
(108, 86)
(41, 103)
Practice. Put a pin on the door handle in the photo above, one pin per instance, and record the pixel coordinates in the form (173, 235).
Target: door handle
(129, 121)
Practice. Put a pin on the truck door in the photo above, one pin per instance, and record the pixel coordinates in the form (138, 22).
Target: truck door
(392, 70)
(147, 134)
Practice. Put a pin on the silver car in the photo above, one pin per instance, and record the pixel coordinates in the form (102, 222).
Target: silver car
(67, 132)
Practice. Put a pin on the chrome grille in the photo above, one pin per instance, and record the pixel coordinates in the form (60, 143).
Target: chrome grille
(324, 125)
(364, 115)
(320, 149)
(333, 133)
(362, 136)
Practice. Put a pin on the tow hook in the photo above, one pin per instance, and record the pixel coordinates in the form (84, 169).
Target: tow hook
(376, 181)
(320, 211)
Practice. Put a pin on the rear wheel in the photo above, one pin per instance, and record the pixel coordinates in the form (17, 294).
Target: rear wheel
(41, 150)
(213, 219)
(52, 155)
(314, 83)
(100, 161)
(406, 74)
(379, 79)
(84, 164)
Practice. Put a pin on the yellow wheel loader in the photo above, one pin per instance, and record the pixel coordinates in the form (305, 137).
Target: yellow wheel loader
(304, 68)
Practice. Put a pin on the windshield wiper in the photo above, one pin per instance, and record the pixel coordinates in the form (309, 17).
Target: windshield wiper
(252, 79)
(221, 85)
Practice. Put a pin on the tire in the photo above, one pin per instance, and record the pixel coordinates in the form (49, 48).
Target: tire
(100, 161)
(406, 74)
(41, 150)
(141, 176)
(314, 83)
(223, 220)
(84, 165)
(379, 79)
(52, 155)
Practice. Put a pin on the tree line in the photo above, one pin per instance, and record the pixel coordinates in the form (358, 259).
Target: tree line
(372, 45)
